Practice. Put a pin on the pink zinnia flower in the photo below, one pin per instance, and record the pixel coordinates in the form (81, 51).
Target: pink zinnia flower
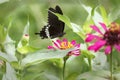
(109, 38)
(65, 44)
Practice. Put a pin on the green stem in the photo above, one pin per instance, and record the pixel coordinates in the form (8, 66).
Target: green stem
(20, 68)
(64, 65)
(111, 67)
(2, 48)
(90, 65)
(20, 75)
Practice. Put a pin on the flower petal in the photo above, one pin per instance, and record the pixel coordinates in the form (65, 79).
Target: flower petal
(65, 40)
(96, 29)
(74, 52)
(77, 46)
(51, 47)
(56, 44)
(97, 45)
(103, 26)
(58, 41)
(73, 42)
(108, 50)
(117, 47)
(91, 37)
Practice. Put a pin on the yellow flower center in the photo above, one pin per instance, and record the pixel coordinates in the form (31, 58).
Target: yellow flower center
(65, 45)
(114, 27)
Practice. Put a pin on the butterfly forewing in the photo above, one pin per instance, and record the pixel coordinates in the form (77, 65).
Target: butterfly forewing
(54, 26)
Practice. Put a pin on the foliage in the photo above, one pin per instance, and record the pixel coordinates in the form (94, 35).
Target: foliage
(24, 55)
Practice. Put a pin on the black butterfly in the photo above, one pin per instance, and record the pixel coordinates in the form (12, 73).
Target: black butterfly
(55, 27)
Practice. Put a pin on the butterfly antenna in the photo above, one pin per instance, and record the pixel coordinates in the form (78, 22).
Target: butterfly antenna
(37, 33)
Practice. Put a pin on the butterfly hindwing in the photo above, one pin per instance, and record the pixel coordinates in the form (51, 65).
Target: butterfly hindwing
(43, 33)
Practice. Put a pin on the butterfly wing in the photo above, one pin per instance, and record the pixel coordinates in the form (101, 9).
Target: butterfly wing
(43, 33)
(56, 26)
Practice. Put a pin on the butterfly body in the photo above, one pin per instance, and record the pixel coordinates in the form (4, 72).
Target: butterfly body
(55, 27)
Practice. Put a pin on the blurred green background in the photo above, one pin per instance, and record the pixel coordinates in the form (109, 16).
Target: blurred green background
(19, 12)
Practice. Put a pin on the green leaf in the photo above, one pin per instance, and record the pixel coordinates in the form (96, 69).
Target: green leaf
(7, 57)
(99, 62)
(42, 55)
(72, 76)
(117, 76)
(24, 41)
(94, 17)
(15, 65)
(89, 21)
(2, 34)
(86, 25)
(114, 14)
(94, 75)
(26, 49)
(85, 52)
(65, 19)
(23, 45)
(9, 50)
(9, 54)
(25, 36)
(51, 77)
(104, 14)
(76, 28)
(88, 9)
(93, 13)
(97, 16)
(10, 73)
(3, 1)
(26, 29)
